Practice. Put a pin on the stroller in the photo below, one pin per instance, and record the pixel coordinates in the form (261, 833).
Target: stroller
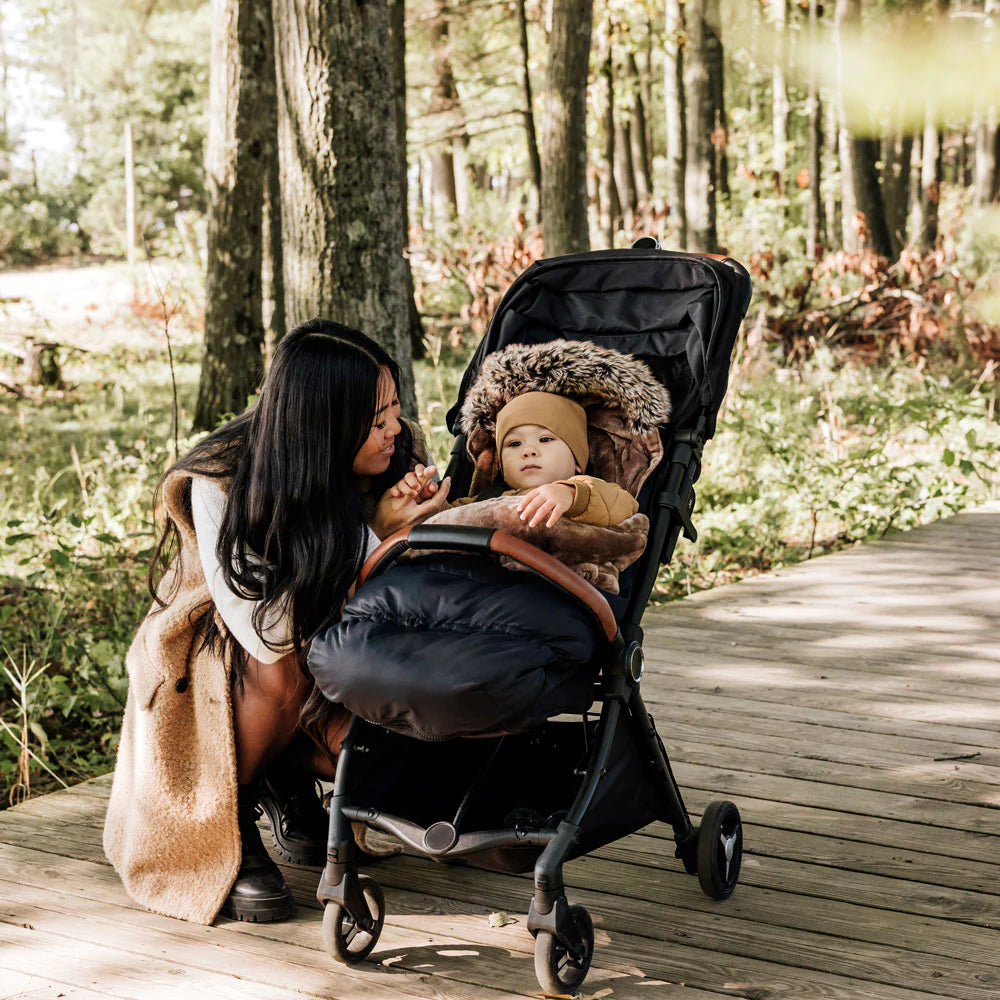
(516, 786)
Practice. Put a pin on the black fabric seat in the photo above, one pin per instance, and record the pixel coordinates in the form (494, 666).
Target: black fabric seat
(457, 645)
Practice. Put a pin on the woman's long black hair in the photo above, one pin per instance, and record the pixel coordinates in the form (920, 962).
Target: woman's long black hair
(293, 535)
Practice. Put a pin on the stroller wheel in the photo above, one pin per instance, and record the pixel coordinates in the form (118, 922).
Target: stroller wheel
(558, 971)
(350, 938)
(720, 849)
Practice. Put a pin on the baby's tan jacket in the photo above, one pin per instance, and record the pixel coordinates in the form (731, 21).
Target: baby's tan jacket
(596, 502)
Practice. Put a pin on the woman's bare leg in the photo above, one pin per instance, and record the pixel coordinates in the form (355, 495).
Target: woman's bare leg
(266, 713)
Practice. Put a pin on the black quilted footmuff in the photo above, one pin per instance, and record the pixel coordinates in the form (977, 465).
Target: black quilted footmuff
(457, 645)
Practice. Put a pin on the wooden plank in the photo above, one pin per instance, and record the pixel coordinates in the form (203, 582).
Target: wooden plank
(915, 782)
(407, 943)
(678, 701)
(795, 963)
(814, 741)
(979, 907)
(34, 986)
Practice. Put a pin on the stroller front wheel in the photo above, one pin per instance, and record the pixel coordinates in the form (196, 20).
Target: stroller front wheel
(720, 849)
(348, 937)
(558, 970)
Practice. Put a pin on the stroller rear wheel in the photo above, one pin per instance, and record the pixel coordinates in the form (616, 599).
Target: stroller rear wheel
(350, 937)
(560, 971)
(720, 849)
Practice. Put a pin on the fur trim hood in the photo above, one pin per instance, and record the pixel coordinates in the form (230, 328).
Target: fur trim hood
(624, 402)
(590, 374)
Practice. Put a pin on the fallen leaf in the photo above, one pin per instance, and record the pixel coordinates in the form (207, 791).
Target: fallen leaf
(501, 919)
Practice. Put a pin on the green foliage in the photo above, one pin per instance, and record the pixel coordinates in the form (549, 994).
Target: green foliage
(817, 457)
(79, 468)
(36, 226)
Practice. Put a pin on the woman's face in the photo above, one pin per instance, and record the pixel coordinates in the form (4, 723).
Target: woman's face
(376, 453)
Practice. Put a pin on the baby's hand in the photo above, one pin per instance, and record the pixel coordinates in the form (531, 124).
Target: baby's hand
(418, 484)
(553, 499)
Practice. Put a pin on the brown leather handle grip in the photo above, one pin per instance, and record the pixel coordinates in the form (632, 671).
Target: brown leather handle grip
(501, 543)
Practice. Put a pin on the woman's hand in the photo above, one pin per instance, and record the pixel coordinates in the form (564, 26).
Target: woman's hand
(419, 484)
(401, 505)
(551, 500)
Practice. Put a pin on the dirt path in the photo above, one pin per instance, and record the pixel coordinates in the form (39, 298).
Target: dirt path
(95, 305)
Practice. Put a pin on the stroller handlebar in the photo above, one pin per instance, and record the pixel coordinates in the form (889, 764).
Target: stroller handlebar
(488, 541)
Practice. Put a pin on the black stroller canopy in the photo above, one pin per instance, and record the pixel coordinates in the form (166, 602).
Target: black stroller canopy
(677, 312)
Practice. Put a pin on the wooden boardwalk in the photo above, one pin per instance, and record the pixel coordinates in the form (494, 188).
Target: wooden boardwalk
(850, 706)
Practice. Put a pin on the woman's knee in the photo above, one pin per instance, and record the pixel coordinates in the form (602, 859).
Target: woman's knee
(282, 683)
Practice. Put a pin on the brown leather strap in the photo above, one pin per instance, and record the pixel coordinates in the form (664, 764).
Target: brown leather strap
(542, 563)
(397, 537)
(528, 555)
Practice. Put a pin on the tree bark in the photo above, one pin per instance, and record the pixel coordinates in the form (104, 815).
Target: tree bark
(639, 130)
(341, 193)
(815, 224)
(625, 173)
(986, 163)
(564, 146)
(931, 175)
(611, 199)
(273, 283)
(846, 13)
(717, 79)
(534, 160)
(699, 175)
(236, 171)
(868, 195)
(779, 92)
(444, 97)
(896, 185)
(397, 59)
(676, 115)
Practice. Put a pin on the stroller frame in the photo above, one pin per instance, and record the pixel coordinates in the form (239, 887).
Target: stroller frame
(564, 938)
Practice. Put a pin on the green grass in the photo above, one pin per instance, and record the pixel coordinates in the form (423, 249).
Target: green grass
(804, 460)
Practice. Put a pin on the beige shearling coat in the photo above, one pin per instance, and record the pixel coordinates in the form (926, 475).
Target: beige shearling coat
(171, 828)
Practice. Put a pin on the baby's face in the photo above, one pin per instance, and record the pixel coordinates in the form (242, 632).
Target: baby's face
(533, 456)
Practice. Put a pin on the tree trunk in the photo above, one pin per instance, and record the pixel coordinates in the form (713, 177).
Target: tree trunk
(611, 200)
(717, 79)
(779, 94)
(272, 277)
(236, 172)
(831, 145)
(699, 175)
(564, 145)
(341, 194)
(868, 195)
(845, 11)
(986, 162)
(896, 185)
(676, 115)
(442, 110)
(639, 130)
(129, 154)
(816, 223)
(625, 170)
(534, 160)
(397, 59)
(931, 174)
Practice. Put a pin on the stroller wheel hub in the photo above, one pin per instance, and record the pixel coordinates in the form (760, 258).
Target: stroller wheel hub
(635, 660)
(440, 837)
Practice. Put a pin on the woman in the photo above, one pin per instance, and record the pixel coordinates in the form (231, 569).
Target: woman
(269, 520)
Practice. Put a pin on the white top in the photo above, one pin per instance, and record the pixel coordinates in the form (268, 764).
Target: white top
(208, 504)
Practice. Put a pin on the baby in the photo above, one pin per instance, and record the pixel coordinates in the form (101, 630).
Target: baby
(542, 447)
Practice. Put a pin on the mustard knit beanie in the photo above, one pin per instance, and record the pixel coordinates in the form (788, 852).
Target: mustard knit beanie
(566, 419)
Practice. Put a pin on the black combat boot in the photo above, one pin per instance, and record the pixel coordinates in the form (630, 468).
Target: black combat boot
(298, 820)
(259, 893)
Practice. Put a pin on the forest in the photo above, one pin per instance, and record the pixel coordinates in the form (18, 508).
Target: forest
(182, 181)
